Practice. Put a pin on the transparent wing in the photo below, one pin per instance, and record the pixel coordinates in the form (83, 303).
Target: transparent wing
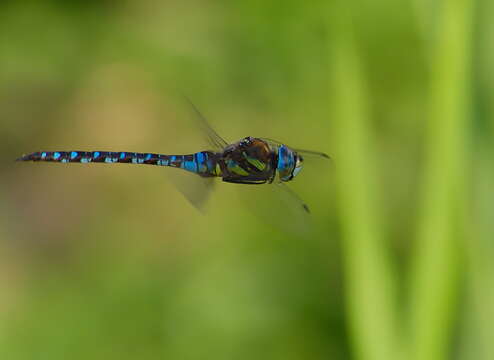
(277, 205)
(308, 153)
(295, 199)
(196, 189)
(201, 122)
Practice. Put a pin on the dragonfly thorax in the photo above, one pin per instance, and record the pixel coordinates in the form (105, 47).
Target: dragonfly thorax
(248, 161)
(255, 161)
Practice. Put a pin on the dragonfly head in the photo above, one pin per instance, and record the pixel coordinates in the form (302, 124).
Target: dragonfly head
(289, 163)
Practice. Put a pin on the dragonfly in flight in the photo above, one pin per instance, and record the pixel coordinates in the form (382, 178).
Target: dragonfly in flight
(251, 160)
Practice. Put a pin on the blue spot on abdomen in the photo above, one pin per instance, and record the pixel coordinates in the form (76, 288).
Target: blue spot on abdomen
(190, 166)
(201, 162)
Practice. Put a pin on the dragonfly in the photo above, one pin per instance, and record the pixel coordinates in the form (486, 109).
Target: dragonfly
(249, 161)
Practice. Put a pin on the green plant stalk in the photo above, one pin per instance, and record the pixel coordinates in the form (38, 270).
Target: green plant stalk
(435, 269)
(369, 279)
(477, 334)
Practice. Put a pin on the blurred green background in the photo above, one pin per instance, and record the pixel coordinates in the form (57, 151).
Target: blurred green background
(111, 262)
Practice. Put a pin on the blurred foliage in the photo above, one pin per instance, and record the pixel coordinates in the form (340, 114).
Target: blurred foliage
(101, 262)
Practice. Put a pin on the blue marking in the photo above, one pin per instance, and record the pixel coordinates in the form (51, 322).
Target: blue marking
(173, 159)
(56, 155)
(96, 154)
(189, 166)
(148, 157)
(73, 155)
(85, 160)
(43, 155)
(122, 155)
(201, 161)
(64, 160)
(108, 159)
(138, 158)
(163, 162)
(160, 161)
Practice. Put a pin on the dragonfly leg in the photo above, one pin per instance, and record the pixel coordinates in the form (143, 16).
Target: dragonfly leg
(246, 181)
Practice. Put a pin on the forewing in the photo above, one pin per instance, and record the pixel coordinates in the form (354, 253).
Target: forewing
(212, 137)
(303, 152)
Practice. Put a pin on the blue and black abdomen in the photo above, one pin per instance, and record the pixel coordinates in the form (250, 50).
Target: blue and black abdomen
(95, 156)
(203, 163)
